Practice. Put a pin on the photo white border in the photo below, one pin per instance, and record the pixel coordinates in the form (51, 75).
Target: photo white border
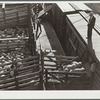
(64, 94)
(50, 94)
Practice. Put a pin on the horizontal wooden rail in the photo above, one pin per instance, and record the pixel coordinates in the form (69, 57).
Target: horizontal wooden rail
(28, 79)
(28, 75)
(66, 60)
(28, 67)
(23, 81)
(67, 72)
(7, 80)
(11, 47)
(7, 85)
(23, 60)
(4, 73)
(10, 39)
(27, 84)
(26, 71)
(9, 88)
(63, 57)
(58, 72)
(11, 44)
(27, 63)
(50, 65)
(15, 7)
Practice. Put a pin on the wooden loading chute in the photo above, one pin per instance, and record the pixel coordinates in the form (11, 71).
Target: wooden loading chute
(56, 78)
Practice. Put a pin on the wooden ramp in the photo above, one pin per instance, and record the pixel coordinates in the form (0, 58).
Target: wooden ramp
(48, 39)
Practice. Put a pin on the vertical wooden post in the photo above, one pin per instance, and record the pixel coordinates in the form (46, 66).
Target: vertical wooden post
(40, 86)
(77, 47)
(17, 17)
(16, 83)
(16, 79)
(3, 10)
(42, 70)
(42, 65)
(31, 35)
(66, 77)
(4, 16)
(46, 75)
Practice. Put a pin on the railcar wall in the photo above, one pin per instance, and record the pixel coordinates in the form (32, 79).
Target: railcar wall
(57, 19)
(71, 41)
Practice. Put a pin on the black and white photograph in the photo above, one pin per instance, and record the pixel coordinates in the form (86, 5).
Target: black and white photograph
(49, 46)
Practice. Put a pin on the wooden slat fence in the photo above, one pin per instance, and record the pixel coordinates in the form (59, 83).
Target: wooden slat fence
(56, 79)
(27, 75)
(6, 45)
(12, 16)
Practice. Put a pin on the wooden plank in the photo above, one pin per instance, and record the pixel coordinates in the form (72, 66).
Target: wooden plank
(7, 85)
(28, 75)
(7, 80)
(96, 83)
(4, 73)
(50, 65)
(9, 18)
(72, 44)
(28, 79)
(28, 63)
(18, 43)
(63, 60)
(10, 39)
(63, 57)
(11, 46)
(58, 72)
(28, 84)
(25, 71)
(11, 25)
(16, 7)
(44, 11)
(28, 67)
(23, 60)
(77, 73)
(10, 88)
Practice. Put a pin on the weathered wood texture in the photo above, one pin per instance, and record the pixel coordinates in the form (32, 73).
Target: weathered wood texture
(27, 77)
(15, 15)
(74, 36)
(58, 79)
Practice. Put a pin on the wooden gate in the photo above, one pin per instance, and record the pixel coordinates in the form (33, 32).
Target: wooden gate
(55, 78)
